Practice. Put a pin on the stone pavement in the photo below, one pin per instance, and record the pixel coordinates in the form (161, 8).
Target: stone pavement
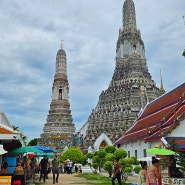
(68, 179)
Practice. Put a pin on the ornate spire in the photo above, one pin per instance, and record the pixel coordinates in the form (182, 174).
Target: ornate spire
(61, 61)
(129, 16)
(162, 87)
(130, 89)
(59, 128)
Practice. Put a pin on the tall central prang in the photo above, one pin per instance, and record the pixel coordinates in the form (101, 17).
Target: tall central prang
(130, 89)
(59, 129)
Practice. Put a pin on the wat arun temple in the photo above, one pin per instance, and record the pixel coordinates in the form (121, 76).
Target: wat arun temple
(130, 89)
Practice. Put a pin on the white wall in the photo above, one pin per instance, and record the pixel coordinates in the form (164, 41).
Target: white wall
(178, 131)
(139, 146)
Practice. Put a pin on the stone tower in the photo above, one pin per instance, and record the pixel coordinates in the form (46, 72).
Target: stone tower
(130, 89)
(59, 129)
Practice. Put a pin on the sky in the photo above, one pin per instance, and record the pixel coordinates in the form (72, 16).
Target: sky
(31, 33)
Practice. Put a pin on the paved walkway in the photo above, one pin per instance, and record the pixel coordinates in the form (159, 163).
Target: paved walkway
(68, 179)
(64, 179)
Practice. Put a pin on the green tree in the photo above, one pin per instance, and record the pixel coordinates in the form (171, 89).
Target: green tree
(94, 167)
(108, 166)
(183, 54)
(181, 160)
(33, 142)
(136, 162)
(90, 155)
(137, 169)
(101, 154)
(120, 153)
(74, 154)
(126, 166)
(24, 138)
(110, 149)
(109, 157)
(84, 160)
(96, 160)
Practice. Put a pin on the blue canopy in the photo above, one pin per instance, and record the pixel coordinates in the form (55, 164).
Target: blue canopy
(44, 149)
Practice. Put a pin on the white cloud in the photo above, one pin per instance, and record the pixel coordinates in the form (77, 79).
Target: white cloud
(31, 32)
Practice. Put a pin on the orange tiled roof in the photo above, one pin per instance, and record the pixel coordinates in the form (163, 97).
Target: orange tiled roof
(159, 117)
(5, 131)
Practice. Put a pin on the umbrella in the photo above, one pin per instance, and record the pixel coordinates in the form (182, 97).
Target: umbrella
(146, 159)
(159, 151)
(2, 151)
(45, 154)
(31, 155)
(25, 149)
(44, 149)
(55, 151)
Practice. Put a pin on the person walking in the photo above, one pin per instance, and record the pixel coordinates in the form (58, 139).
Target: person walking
(32, 167)
(43, 168)
(70, 167)
(117, 172)
(55, 169)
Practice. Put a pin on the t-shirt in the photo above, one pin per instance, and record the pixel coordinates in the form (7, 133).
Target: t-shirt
(43, 163)
(55, 163)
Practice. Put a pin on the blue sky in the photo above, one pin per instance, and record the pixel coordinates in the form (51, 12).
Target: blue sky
(31, 33)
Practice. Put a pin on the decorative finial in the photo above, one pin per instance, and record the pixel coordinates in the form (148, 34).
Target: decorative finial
(61, 44)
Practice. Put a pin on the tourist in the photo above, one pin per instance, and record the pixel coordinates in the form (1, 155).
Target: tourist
(32, 167)
(48, 168)
(153, 172)
(43, 168)
(55, 168)
(76, 168)
(143, 173)
(19, 169)
(80, 169)
(70, 167)
(4, 170)
(117, 172)
(67, 166)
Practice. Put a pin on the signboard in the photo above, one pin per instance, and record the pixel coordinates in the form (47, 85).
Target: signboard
(173, 181)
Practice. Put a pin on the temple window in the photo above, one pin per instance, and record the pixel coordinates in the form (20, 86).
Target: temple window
(136, 153)
(128, 154)
(144, 152)
(60, 94)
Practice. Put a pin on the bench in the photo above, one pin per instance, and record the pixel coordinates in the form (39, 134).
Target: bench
(5, 180)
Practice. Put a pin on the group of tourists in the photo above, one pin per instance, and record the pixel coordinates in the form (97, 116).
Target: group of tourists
(147, 175)
(54, 166)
